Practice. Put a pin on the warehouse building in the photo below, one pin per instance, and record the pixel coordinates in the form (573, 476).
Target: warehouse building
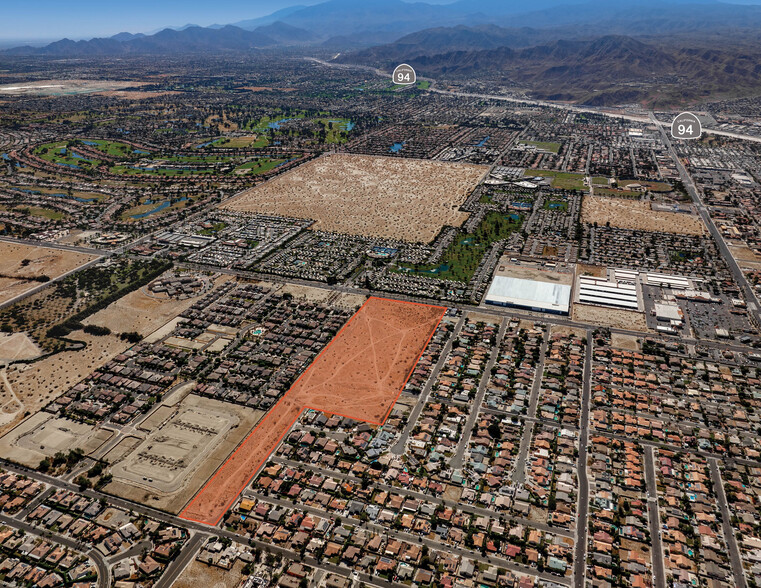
(534, 295)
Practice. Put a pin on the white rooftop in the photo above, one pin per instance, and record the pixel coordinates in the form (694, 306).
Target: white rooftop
(530, 294)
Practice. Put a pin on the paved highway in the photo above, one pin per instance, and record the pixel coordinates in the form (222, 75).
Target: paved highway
(742, 282)
(572, 107)
(187, 553)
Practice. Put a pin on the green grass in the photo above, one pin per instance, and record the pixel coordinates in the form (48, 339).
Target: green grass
(466, 251)
(560, 180)
(241, 142)
(259, 166)
(547, 146)
(424, 84)
(620, 193)
(263, 123)
(52, 152)
(114, 148)
(214, 230)
(599, 181)
(559, 205)
(48, 213)
(158, 171)
(143, 208)
(338, 134)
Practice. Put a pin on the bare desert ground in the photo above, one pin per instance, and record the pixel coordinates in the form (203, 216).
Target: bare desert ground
(30, 387)
(34, 385)
(178, 459)
(201, 574)
(19, 263)
(610, 317)
(636, 215)
(372, 196)
(141, 311)
(17, 346)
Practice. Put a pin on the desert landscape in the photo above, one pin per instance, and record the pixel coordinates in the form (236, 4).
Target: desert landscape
(609, 317)
(29, 387)
(176, 448)
(403, 199)
(20, 264)
(637, 215)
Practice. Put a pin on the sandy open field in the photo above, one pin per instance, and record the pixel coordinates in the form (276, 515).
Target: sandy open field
(358, 375)
(41, 436)
(609, 317)
(625, 342)
(27, 261)
(34, 385)
(585, 269)
(373, 196)
(310, 294)
(142, 312)
(636, 215)
(17, 346)
(63, 87)
(186, 443)
(201, 574)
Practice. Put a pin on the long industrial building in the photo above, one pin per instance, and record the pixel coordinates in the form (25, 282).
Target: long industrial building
(607, 293)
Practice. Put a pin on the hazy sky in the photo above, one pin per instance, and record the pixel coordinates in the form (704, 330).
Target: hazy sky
(55, 19)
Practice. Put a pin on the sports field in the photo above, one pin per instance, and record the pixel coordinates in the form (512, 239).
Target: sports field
(359, 375)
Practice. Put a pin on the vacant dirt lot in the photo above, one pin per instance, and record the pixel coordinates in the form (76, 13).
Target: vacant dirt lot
(19, 263)
(625, 342)
(609, 317)
(636, 215)
(41, 436)
(373, 196)
(176, 456)
(36, 384)
(200, 574)
(138, 311)
(17, 346)
(358, 375)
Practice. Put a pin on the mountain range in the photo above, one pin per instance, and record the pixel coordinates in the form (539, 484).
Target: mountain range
(354, 24)
(590, 51)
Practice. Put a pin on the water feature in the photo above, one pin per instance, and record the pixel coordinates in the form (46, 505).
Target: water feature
(482, 142)
(5, 156)
(344, 125)
(77, 198)
(91, 143)
(160, 207)
(276, 124)
(396, 147)
(141, 152)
